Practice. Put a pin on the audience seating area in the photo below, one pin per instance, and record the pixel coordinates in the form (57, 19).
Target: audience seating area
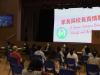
(54, 61)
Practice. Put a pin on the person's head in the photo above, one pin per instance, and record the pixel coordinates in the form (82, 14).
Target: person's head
(71, 51)
(85, 46)
(58, 49)
(33, 45)
(39, 47)
(15, 47)
(94, 53)
(64, 45)
(87, 50)
(48, 44)
(8, 43)
(25, 44)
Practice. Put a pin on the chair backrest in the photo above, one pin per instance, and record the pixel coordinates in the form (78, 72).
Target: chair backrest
(92, 69)
(71, 65)
(38, 57)
(66, 72)
(49, 66)
(35, 65)
(70, 61)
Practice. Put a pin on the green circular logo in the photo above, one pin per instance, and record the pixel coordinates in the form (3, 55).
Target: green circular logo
(61, 33)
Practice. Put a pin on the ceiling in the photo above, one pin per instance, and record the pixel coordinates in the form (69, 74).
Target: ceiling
(60, 3)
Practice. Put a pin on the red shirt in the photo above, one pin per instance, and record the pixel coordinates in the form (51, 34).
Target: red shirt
(16, 55)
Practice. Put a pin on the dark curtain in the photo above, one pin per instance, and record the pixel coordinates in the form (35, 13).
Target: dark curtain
(37, 24)
(29, 24)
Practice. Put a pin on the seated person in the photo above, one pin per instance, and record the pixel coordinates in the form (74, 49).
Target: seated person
(94, 59)
(35, 68)
(59, 54)
(73, 55)
(40, 52)
(86, 51)
(16, 54)
(47, 46)
(16, 61)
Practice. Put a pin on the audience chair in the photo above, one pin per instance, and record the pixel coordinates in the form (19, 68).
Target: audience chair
(37, 57)
(71, 65)
(49, 66)
(66, 72)
(92, 69)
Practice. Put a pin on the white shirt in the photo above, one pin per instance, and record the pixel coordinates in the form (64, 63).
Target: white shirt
(62, 56)
(94, 60)
(39, 52)
(73, 56)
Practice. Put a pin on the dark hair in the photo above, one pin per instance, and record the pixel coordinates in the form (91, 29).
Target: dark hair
(38, 47)
(58, 49)
(87, 50)
(33, 45)
(94, 53)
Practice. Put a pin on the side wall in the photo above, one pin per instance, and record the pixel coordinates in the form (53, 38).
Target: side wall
(10, 7)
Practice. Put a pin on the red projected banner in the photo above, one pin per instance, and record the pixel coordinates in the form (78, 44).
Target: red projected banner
(80, 19)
